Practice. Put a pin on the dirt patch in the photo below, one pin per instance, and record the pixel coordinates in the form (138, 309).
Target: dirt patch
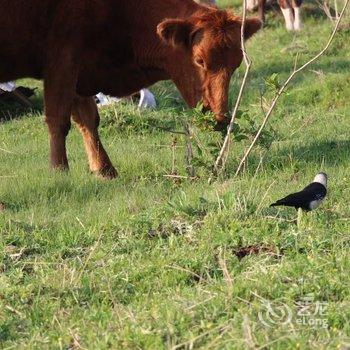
(256, 249)
(2, 206)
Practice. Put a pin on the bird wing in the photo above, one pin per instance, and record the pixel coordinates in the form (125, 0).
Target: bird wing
(315, 191)
(296, 199)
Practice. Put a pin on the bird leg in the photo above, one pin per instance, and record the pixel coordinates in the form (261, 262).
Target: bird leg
(299, 218)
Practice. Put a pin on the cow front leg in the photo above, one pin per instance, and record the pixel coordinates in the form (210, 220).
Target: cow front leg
(60, 80)
(58, 110)
(58, 131)
(297, 19)
(85, 115)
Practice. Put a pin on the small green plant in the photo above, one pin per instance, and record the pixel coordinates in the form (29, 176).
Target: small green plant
(204, 120)
(247, 126)
(272, 83)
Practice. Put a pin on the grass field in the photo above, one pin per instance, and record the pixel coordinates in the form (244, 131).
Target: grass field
(146, 262)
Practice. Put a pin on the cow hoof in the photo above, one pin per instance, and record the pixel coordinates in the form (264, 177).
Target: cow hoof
(107, 173)
(2, 206)
(298, 27)
(63, 168)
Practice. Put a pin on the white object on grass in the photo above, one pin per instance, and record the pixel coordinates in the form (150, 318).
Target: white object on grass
(147, 99)
(9, 86)
(105, 100)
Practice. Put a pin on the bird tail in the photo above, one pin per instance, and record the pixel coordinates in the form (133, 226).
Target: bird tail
(276, 204)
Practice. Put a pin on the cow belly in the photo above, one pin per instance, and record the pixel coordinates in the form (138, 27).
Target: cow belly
(23, 29)
(20, 55)
(20, 65)
(117, 82)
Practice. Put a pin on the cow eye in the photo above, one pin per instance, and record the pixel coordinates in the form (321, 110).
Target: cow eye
(200, 62)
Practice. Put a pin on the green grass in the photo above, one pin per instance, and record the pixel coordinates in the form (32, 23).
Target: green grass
(144, 262)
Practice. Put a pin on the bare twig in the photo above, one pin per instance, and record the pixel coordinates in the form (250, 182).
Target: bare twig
(170, 130)
(7, 151)
(286, 83)
(221, 159)
(247, 332)
(176, 176)
(262, 100)
(227, 276)
(336, 8)
(189, 152)
(326, 9)
(200, 303)
(92, 251)
(173, 151)
(11, 309)
(190, 343)
(175, 267)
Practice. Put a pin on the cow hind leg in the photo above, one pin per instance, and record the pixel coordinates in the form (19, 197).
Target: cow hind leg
(288, 13)
(59, 92)
(85, 115)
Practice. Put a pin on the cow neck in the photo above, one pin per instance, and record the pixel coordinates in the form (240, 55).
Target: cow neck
(151, 52)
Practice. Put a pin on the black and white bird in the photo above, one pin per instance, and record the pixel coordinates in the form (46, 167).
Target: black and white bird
(309, 198)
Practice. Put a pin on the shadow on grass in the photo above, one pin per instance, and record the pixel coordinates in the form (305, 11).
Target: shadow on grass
(341, 66)
(11, 109)
(320, 154)
(331, 152)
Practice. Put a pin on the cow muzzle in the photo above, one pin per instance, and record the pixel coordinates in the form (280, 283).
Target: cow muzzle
(222, 119)
(221, 123)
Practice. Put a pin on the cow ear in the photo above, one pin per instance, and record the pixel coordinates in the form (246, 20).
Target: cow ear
(252, 25)
(175, 32)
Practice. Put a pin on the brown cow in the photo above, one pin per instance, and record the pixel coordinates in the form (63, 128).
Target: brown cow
(117, 47)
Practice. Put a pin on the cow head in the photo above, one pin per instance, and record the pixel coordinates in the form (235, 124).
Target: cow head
(206, 51)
